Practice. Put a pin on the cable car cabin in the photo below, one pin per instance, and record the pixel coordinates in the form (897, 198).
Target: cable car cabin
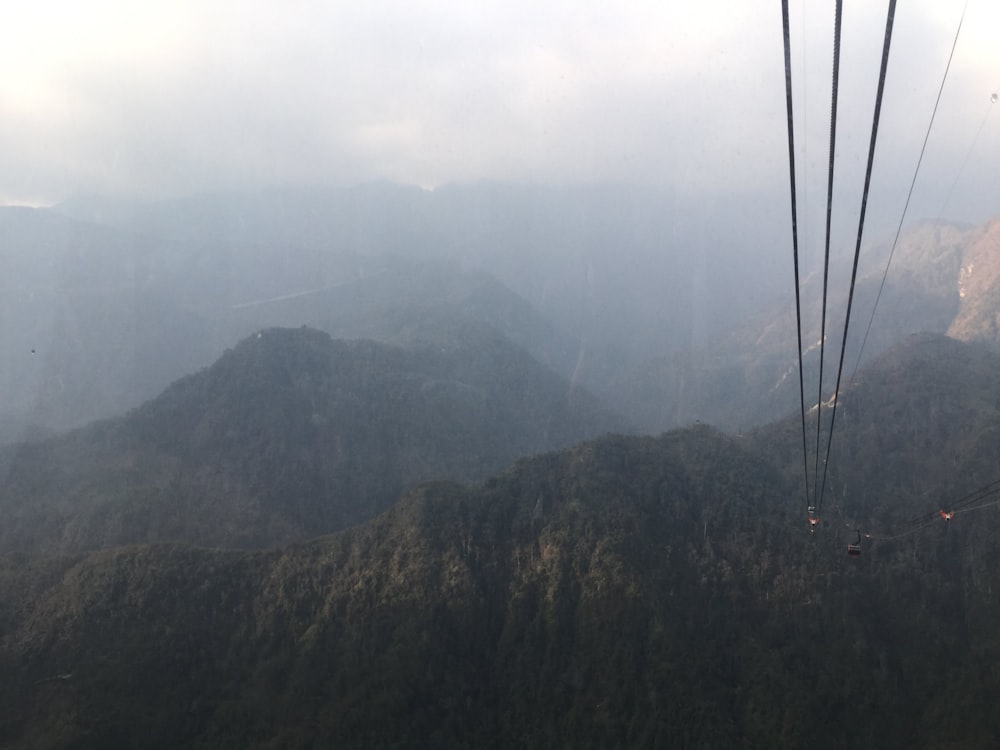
(854, 550)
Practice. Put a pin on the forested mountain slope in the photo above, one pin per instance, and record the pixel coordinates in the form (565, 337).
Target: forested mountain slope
(919, 426)
(978, 318)
(628, 592)
(289, 435)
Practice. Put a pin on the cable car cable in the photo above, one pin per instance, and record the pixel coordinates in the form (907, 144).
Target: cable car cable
(958, 505)
(861, 225)
(837, 23)
(964, 504)
(977, 507)
(795, 235)
(977, 495)
(909, 194)
(968, 154)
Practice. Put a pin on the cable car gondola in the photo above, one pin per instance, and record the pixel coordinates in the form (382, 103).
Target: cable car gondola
(854, 550)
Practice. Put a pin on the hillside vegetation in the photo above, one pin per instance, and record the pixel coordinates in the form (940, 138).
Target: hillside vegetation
(620, 592)
(629, 592)
(289, 435)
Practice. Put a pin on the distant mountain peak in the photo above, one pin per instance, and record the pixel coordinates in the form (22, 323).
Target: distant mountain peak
(289, 434)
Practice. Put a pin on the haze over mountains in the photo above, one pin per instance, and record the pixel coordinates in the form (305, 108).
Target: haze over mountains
(364, 493)
(600, 279)
(747, 377)
(288, 436)
(607, 289)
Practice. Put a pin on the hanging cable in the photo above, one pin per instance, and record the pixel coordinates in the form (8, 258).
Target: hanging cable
(978, 507)
(901, 533)
(804, 142)
(968, 154)
(838, 15)
(909, 194)
(857, 248)
(987, 496)
(795, 237)
(963, 503)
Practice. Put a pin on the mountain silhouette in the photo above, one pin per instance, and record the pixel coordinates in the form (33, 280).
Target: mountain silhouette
(289, 435)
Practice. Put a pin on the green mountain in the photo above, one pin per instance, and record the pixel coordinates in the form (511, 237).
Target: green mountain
(942, 279)
(289, 435)
(408, 304)
(95, 320)
(978, 318)
(623, 592)
(919, 426)
(628, 592)
(613, 277)
(646, 301)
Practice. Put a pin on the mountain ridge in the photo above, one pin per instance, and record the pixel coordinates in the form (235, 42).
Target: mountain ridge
(291, 434)
(633, 590)
(740, 380)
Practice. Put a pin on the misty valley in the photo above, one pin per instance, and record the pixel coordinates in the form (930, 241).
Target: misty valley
(486, 466)
(431, 374)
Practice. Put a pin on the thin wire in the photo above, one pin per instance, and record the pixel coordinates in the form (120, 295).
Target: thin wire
(962, 505)
(958, 506)
(829, 211)
(968, 154)
(909, 195)
(861, 226)
(805, 128)
(795, 234)
(977, 495)
(901, 534)
(978, 507)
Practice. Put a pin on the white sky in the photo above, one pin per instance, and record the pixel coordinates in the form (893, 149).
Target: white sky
(151, 99)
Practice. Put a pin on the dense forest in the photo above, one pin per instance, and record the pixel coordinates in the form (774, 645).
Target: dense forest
(633, 591)
(628, 591)
(289, 435)
(421, 520)
(500, 375)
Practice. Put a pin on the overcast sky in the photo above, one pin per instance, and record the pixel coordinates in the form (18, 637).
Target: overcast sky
(151, 99)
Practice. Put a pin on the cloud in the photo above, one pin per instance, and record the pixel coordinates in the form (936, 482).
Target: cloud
(152, 99)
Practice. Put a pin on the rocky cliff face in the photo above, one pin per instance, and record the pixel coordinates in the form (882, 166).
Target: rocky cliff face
(978, 284)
